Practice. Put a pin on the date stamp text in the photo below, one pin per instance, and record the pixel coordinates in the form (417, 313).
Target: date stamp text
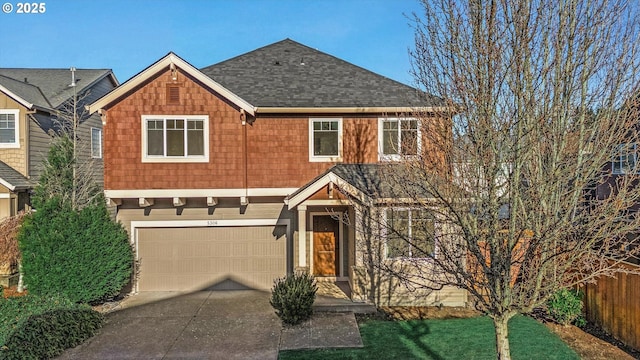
(24, 8)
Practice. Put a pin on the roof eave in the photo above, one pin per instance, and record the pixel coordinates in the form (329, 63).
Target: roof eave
(12, 187)
(330, 177)
(351, 110)
(161, 65)
(17, 98)
(7, 184)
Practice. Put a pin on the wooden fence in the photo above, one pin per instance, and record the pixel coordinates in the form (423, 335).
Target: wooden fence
(614, 305)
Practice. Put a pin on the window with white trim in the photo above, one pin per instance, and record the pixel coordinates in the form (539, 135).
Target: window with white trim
(9, 128)
(325, 140)
(409, 233)
(625, 159)
(96, 143)
(183, 138)
(398, 137)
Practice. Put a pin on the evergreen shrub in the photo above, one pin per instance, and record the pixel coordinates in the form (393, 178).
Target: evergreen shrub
(81, 254)
(565, 307)
(35, 327)
(292, 297)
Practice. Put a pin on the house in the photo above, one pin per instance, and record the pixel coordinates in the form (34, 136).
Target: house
(235, 174)
(32, 102)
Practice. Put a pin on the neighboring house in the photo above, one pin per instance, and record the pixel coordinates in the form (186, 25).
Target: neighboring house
(31, 103)
(238, 173)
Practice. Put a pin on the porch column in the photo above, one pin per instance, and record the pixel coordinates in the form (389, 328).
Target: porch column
(302, 236)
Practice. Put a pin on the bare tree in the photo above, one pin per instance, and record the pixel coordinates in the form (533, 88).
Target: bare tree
(526, 203)
(69, 169)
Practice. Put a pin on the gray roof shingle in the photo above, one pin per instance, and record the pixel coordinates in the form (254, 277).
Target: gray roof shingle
(289, 74)
(53, 84)
(26, 91)
(12, 177)
(377, 181)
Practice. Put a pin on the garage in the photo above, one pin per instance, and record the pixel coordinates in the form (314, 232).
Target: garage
(198, 258)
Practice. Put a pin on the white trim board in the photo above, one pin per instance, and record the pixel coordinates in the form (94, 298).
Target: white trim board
(187, 193)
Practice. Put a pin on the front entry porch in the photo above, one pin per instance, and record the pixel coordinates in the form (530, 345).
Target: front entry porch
(335, 296)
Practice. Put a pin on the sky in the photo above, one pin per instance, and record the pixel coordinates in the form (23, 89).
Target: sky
(127, 36)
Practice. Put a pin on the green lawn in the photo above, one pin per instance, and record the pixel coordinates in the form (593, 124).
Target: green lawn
(445, 339)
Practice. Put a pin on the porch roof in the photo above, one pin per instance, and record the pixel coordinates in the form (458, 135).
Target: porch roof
(12, 179)
(365, 182)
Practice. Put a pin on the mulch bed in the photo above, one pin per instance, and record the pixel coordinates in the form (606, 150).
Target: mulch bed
(427, 312)
(12, 292)
(596, 331)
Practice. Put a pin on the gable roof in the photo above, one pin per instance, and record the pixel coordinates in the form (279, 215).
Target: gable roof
(49, 88)
(287, 74)
(12, 179)
(368, 183)
(26, 94)
(288, 77)
(169, 61)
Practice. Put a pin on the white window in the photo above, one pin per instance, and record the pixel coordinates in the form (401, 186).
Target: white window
(398, 137)
(9, 128)
(625, 159)
(96, 143)
(410, 233)
(325, 140)
(183, 138)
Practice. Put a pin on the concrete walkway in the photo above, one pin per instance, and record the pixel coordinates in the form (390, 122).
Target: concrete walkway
(323, 330)
(209, 325)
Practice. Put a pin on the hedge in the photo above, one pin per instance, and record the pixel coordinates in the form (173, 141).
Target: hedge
(34, 327)
(83, 255)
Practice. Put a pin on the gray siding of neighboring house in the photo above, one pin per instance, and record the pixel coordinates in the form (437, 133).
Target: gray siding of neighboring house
(98, 90)
(84, 135)
(39, 139)
(39, 142)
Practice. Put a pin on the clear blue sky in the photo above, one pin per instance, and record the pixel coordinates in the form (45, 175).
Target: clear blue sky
(128, 36)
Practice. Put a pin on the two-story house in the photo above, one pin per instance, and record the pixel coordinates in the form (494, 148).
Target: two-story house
(33, 102)
(240, 172)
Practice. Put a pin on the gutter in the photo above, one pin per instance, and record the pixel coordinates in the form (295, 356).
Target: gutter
(348, 110)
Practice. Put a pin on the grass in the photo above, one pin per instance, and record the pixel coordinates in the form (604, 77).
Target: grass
(471, 338)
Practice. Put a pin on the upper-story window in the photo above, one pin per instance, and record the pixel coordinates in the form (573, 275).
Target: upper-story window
(183, 138)
(410, 233)
(325, 140)
(398, 137)
(96, 143)
(625, 159)
(9, 128)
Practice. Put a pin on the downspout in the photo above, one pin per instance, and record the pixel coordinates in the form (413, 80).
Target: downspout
(27, 141)
(243, 117)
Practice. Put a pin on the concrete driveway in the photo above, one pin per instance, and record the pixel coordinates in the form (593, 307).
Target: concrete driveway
(201, 325)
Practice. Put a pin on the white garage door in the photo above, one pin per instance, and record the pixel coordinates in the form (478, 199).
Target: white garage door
(197, 258)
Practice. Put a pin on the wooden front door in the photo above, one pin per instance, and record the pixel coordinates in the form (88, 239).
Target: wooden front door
(325, 246)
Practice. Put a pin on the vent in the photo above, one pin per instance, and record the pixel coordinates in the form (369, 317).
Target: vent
(173, 94)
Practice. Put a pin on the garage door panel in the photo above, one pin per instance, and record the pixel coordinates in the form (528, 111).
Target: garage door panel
(184, 259)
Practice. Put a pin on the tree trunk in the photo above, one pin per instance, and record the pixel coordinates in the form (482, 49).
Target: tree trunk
(502, 336)
(20, 281)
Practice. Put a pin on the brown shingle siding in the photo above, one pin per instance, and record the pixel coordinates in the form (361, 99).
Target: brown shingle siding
(123, 137)
(277, 146)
